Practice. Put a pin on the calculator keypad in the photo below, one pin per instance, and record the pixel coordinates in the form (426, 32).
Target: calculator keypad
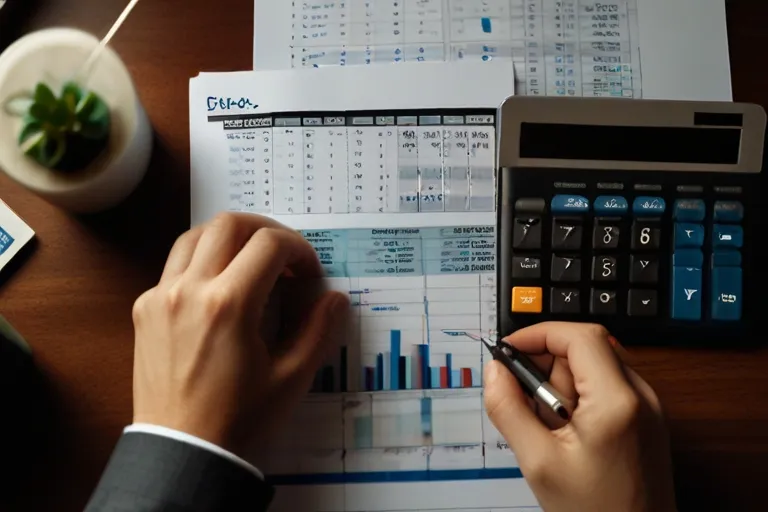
(629, 255)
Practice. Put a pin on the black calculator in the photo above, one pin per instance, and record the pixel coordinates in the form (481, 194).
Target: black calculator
(639, 215)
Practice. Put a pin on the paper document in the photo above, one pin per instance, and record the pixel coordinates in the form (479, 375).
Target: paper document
(661, 49)
(389, 174)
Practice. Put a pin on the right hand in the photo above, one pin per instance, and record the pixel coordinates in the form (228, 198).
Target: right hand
(614, 454)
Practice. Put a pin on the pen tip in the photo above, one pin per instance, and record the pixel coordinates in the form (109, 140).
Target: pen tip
(563, 413)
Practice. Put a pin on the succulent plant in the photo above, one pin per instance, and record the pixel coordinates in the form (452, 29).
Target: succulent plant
(64, 133)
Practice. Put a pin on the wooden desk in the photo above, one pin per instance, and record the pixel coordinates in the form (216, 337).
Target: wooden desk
(72, 299)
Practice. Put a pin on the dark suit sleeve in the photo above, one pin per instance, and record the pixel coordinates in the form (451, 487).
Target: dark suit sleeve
(154, 473)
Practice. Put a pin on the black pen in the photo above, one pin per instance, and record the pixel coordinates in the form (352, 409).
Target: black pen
(533, 381)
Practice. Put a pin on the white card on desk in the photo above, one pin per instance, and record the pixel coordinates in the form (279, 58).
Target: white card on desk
(14, 234)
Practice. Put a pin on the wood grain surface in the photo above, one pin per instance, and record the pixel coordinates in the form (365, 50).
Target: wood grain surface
(72, 297)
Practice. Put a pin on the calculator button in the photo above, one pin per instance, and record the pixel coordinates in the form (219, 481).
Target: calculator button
(646, 206)
(566, 234)
(526, 268)
(728, 211)
(526, 299)
(726, 293)
(726, 258)
(644, 269)
(690, 210)
(602, 302)
(688, 258)
(646, 235)
(642, 303)
(566, 269)
(603, 268)
(530, 205)
(689, 235)
(527, 233)
(569, 204)
(726, 236)
(605, 234)
(611, 205)
(565, 300)
(686, 293)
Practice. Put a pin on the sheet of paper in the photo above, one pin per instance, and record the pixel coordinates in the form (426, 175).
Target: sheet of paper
(661, 49)
(389, 173)
(14, 234)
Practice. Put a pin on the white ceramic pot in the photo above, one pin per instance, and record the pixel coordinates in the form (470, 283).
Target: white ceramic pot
(54, 56)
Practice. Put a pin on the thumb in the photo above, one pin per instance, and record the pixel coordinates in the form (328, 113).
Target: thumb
(296, 368)
(509, 411)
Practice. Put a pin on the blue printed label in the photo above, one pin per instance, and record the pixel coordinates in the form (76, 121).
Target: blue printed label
(6, 240)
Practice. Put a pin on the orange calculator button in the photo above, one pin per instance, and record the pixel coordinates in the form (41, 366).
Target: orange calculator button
(526, 299)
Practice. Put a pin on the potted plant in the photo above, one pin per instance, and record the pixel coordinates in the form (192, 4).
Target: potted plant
(72, 128)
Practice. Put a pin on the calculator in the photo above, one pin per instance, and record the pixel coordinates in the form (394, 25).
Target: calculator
(639, 215)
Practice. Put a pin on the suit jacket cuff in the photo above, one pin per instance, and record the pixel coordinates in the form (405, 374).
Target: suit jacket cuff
(148, 472)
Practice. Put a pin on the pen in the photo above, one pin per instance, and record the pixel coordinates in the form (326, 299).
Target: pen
(533, 381)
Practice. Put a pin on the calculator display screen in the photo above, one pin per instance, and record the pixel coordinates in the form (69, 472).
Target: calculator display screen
(630, 143)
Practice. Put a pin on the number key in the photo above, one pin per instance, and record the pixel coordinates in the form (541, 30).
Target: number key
(646, 235)
(603, 268)
(566, 234)
(605, 234)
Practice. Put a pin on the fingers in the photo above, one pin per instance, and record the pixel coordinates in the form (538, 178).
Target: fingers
(265, 257)
(507, 407)
(597, 371)
(222, 239)
(181, 254)
(296, 368)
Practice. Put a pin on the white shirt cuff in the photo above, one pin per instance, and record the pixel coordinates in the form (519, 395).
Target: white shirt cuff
(183, 437)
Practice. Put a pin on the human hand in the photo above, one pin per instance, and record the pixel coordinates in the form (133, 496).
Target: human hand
(201, 365)
(614, 454)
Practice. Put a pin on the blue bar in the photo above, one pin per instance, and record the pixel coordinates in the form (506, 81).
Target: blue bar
(394, 360)
(454, 381)
(397, 476)
(475, 379)
(408, 373)
(424, 360)
(435, 372)
(379, 375)
(448, 361)
(426, 417)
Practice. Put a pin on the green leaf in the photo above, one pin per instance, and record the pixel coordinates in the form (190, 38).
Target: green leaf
(39, 112)
(94, 117)
(71, 93)
(44, 95)
(46, 148)
(30, 127)
(18, 105)
(85, 106)
(60, 115)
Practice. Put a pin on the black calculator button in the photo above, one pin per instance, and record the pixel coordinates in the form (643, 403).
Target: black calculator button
(530, 205)
(642, 303)
(646, 235)
(527, 234)
(602, 302)
(567, 234)
(644, 268)
(565, 301)
(605, 234)
(565, 269)
(604, 268)
(526, 268)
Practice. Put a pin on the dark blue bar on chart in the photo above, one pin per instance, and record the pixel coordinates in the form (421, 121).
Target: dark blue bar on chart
(424, 364)
(379, 372)
(448, 362)
(394, 360)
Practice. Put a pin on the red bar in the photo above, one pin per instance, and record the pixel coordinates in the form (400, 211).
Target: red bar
(444, 377)
(466, 377)
(369, 379)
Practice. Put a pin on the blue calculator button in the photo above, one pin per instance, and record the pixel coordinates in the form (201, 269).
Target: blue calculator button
(689, 235)
(726, 293)
(724, 235)
(568, 203)
(686, 293)
(688, 258)
(725, 258)
(690, 210)
(728, 211)
(649, 206)
(611, 205)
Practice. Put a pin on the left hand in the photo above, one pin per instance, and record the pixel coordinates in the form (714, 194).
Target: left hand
(201, 365)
